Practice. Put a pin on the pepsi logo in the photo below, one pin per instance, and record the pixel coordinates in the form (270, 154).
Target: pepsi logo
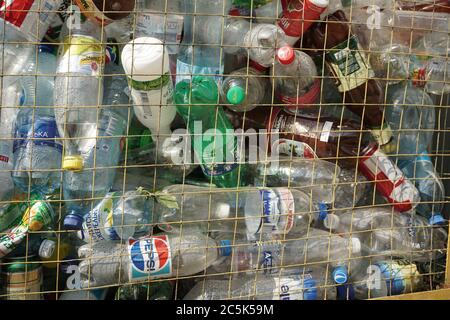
(150, 255)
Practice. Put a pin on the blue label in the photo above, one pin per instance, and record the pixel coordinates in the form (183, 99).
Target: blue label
(225, 249)
(310, 292)
(323, 210)
(44, 133)
(394, 281)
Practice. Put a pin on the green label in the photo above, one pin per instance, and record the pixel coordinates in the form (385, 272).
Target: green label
(150, 85)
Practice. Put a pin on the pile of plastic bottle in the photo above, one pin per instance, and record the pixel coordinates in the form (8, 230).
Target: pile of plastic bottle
(221, 149)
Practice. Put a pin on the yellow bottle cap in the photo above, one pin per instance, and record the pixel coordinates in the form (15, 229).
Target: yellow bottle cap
(73, 163)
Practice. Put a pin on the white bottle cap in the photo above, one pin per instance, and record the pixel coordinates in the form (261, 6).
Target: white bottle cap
(320, 3)
(356, 245)
(331, 221)
(47, 249)
(145, 59)
(222, 211)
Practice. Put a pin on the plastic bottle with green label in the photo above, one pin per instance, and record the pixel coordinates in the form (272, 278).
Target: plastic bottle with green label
(215, 144)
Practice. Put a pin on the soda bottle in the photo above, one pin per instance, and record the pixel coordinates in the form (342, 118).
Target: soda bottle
(118, 216)
(100, 159)
(271, 212)
(335, 140)
(37, 148)
(197, 103)
(296, 81)
(79, 89)
(301, 284)
(353, 73)
(146, 64)
(104, 12)
(182, 254)
(244, 89)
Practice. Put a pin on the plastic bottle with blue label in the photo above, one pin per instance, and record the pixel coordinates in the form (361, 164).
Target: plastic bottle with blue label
(150, 257)
(387, 233)
(271, 212)
(37, 147)
(301, 284)
(118, 216)
(101, 159)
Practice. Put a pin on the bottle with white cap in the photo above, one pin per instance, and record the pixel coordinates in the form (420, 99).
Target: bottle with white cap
(146, 63)
(271, 212)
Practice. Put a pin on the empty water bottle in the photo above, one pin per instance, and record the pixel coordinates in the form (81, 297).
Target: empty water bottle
(37, 148)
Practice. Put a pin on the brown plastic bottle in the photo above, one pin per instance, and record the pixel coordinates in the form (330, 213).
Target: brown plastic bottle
(353, 73)
(106, 11)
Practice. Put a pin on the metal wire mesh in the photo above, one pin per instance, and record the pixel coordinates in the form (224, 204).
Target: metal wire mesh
(251, 271)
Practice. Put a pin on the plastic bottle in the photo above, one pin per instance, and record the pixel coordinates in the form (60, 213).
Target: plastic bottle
(184, 254)
(146, 64)
(161, 290)
(79, 89)
(104, 12)
(35, 244)
(271, 212)
(409, 236)
(304, 285)
(100, 159)
(269, 11)
(314, 177)
(420, 170)
(118, 216)
(36, 162)
(335, 140)
(351, 189)
(363, 93)
(244, 89)
(295, 78)
(197, 101)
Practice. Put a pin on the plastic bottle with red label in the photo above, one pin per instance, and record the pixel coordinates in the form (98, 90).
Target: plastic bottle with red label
(296, 81)
(350, 67)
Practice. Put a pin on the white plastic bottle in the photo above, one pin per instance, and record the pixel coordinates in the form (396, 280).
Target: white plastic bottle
(278, 211)
(151, 257)
(146, 63)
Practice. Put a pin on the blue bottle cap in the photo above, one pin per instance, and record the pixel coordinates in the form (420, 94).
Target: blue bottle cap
(225, 248)
(436, 219)
(310, 292)
(340, 275)
(323, 210)
(73, 221)
(47, 48)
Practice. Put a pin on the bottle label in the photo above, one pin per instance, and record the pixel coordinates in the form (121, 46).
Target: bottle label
(278, 211)
(167, 28)
(417, 69)
(81, 54)
(24, 284)
(90, 10)
(186, 71)
(45, 133)
(294, 148)
(401, 276)
(297, 17)
(150, 258)
(150, 94)
(349, 65)
(37, 215)
(294, 288)
(93, 224)
(12, 238)
(308, 100)
(389, 179)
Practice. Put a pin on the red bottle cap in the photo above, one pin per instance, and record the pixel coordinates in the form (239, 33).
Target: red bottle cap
(286, 55)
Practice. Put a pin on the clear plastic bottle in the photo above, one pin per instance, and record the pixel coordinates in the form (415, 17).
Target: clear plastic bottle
(79, 89)
(101, 159)
(271, 212)
(37, 148)
(296, 82)
(303, 284)
(118, 216)
(244, 89)
(158, 256)
(386, 233)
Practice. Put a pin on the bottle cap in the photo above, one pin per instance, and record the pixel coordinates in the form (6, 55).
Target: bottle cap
(223, 211)
(436, 219)
(236, 95)
(47, 249)
(356, 245)
(286, 55)
(73, 221)
(47, 48)
(73, 163)
(331, 221)
(340, 275)
(145, 59)
(310, 292)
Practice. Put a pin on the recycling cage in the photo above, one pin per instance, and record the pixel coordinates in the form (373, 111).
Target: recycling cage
(143, 172)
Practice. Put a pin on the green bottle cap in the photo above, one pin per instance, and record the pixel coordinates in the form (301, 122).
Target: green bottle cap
(236, 95)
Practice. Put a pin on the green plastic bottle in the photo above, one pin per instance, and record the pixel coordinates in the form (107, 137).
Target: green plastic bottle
(212, 133)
